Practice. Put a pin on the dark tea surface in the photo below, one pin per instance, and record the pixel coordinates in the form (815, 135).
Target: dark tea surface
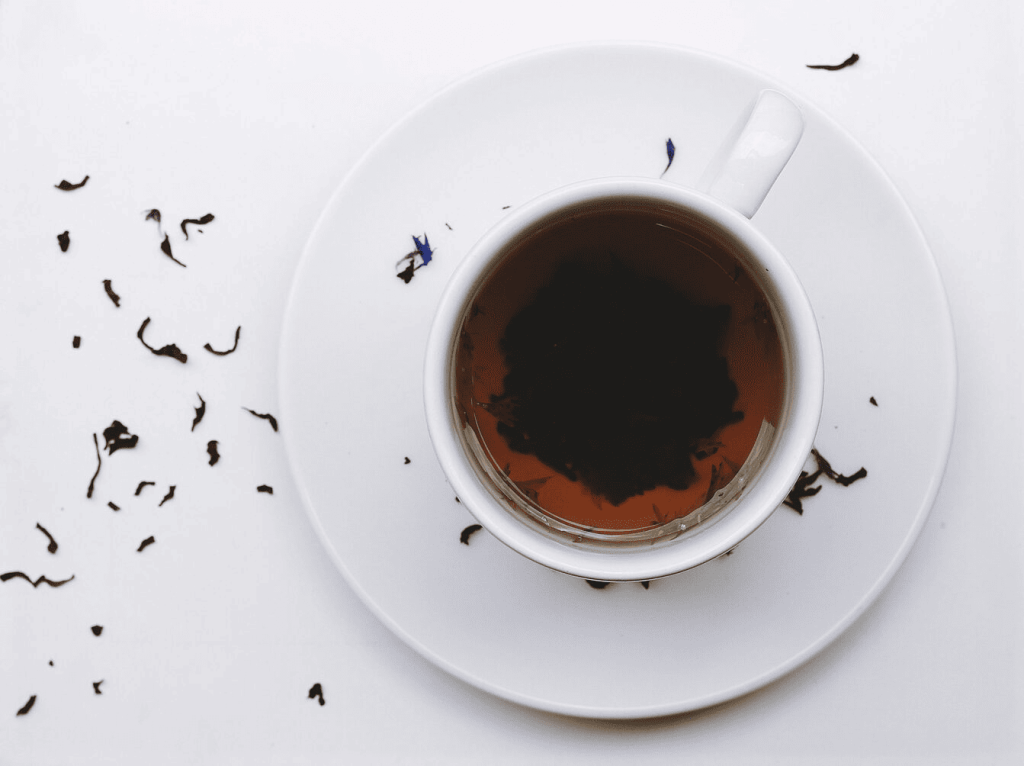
(617, 368)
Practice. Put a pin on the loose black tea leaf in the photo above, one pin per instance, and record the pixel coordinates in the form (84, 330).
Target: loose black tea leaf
(96, 629)
(51, 663)
(238, 332)
(170, 494)
(64, 240)
(315, 692)
(407, 461)
(468, 532)
(68, 186)
(425, 254)
(199, 221)
(670, 150)
(99, 464)
(211, 450)
(200, 411)
(267, 416)
(170, 350)
(646, 584)
(111, 294)
(113, 506)
(825, 468)
(165, 246)
(52, 547)
(854, 58)
(598, 584)
(117, 437)
(153, 215)
(803, 489)
(31, 700)
(872, 400)
(76, 341)
(265, 488)
(96, 686)
(138, 489)
(35, 584)
(146, 543)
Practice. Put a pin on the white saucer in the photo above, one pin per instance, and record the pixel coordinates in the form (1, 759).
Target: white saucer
(352, 411)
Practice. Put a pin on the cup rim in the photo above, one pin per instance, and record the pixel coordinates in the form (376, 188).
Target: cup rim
(790, 452)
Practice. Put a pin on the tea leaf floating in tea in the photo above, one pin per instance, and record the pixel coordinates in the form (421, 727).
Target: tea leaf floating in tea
(854, 58)
(601, 392)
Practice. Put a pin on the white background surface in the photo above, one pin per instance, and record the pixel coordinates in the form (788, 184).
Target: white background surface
(255, 112)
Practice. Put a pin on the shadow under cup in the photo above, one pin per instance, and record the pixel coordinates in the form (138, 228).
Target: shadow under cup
(620, 374)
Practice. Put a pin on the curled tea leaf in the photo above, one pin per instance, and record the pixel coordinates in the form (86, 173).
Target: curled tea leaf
(198, 221)
(469, 532)
(114, 297)
(238, 332)
(170, 350)
(52, 547)
(265, 416)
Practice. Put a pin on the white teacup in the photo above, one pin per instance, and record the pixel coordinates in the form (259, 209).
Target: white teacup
(583, 509)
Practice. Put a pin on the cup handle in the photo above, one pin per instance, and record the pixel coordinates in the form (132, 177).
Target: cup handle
(746, 167)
